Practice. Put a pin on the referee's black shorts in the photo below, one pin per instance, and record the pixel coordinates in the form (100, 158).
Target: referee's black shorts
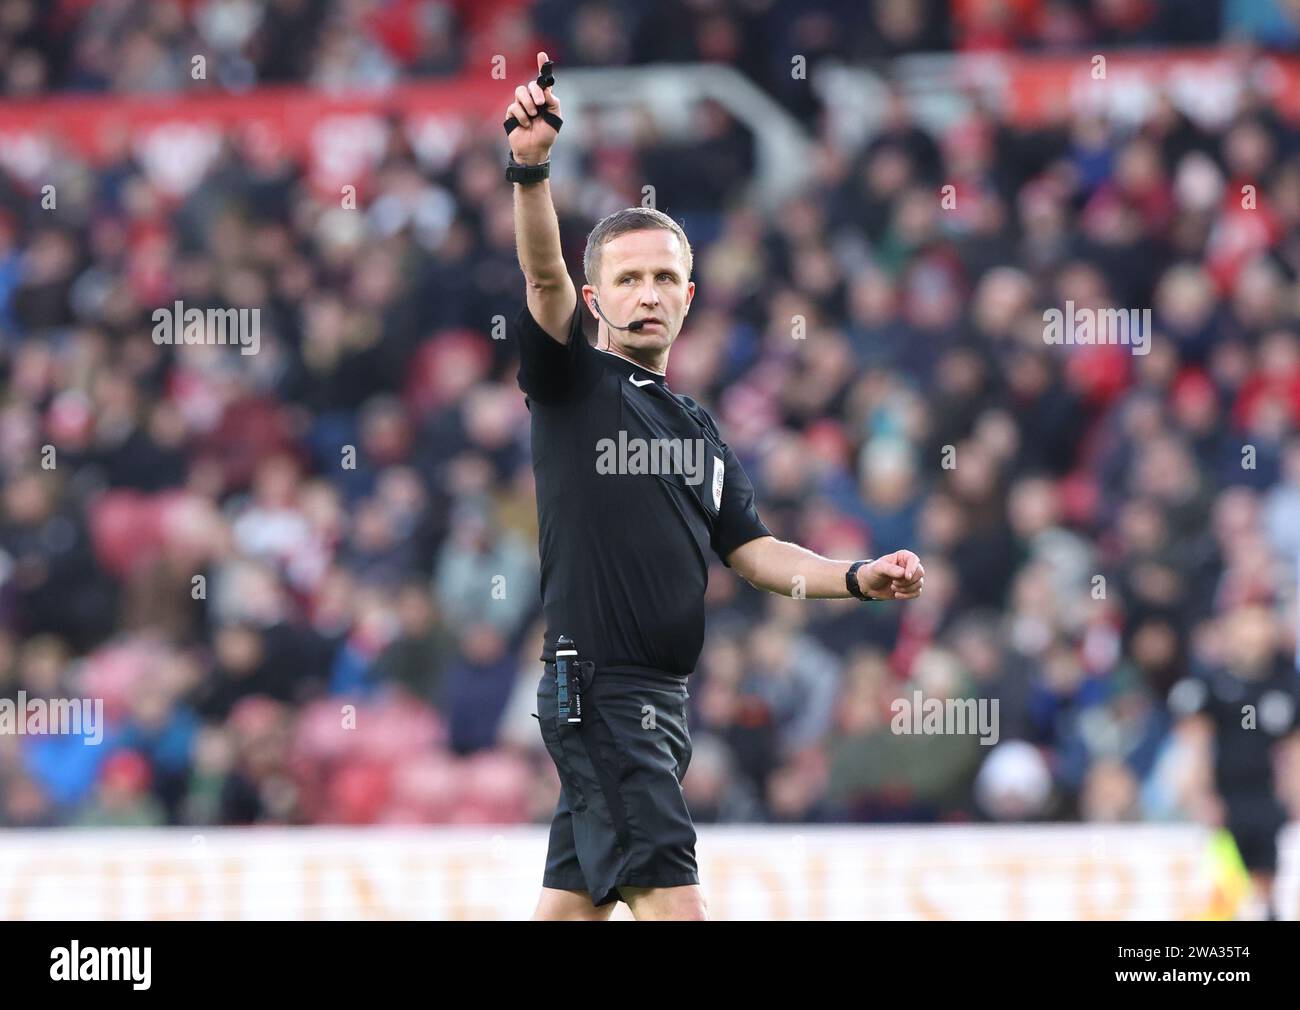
(621, 819)
(1255, 822)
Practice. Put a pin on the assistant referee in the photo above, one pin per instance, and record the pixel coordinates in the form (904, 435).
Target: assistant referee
(624, 552)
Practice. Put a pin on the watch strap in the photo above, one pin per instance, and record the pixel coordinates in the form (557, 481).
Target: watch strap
(516, 172)
(851, 582)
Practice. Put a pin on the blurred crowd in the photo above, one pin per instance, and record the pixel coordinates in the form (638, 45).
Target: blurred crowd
(304, 581)
(135, 46)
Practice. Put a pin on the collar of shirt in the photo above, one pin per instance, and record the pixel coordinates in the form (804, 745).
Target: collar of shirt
(637, 373)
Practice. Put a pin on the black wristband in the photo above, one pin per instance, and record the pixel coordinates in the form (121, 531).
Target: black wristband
(851, 582)
(516, 172)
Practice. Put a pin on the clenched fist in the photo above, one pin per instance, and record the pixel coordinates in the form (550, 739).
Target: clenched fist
(531, 142)
(897, 576)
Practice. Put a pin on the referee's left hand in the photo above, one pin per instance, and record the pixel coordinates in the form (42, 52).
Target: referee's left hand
(897, 576)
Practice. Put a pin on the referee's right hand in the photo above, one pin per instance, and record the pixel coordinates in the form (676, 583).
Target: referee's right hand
(531, 142)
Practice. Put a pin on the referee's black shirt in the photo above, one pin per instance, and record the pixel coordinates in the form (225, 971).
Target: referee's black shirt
(624, 556)
(1243, 761)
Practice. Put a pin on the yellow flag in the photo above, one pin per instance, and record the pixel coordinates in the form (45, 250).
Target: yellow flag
(1229, 879)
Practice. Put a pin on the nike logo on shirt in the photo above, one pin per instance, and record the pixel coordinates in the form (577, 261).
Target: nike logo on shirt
(643, 382)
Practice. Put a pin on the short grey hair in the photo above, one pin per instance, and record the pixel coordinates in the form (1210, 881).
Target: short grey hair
(620, 223)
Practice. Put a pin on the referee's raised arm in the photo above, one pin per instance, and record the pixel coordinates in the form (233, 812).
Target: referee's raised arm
(552, 297)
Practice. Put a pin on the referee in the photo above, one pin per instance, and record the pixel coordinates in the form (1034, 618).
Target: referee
(625, 547)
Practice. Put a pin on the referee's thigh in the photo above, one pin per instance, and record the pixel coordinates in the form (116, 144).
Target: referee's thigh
(555, 904)
(677, 903)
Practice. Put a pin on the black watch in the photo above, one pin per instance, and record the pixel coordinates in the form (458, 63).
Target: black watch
(851, 581)
(516, 172)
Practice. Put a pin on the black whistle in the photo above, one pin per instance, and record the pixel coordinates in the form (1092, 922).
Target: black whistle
(545, 78)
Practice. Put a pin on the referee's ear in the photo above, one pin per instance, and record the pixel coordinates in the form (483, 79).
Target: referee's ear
(589, 296)
(690, 297)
